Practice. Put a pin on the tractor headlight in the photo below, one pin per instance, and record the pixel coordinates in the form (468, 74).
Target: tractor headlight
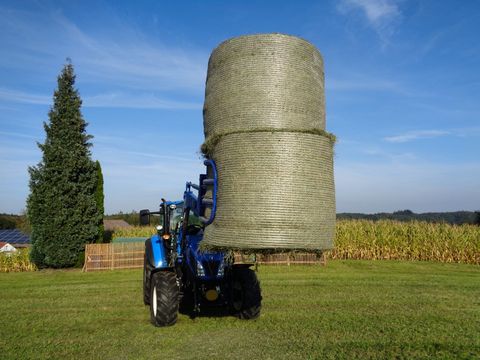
(200, 269)
(221, 269)
(173, 207)
(159, 227)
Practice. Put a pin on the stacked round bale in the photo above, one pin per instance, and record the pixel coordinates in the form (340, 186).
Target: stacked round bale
(264, 121)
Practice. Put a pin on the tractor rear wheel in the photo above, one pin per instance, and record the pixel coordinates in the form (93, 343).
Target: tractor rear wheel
(246, 295)
(164, 298)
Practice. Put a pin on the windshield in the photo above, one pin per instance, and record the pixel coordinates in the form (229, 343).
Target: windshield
(176, 217)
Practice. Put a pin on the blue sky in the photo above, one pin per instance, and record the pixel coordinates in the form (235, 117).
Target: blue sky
(402, 92)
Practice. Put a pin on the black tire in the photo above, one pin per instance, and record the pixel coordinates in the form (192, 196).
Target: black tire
(164, 299)
(146, 284)
(246, 299)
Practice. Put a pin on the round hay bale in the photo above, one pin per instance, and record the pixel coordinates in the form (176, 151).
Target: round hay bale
(275, 191)
(264, 81)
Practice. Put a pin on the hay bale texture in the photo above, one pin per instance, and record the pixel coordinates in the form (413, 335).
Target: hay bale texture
(264, 120)
(264, 81)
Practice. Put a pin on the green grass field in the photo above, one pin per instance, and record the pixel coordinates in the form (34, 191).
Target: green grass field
(348, 309)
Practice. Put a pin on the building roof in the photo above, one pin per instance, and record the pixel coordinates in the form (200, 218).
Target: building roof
(6, 247)
(14, 237)
(115, 224)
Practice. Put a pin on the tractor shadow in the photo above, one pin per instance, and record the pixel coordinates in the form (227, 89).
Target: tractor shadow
(207, 312)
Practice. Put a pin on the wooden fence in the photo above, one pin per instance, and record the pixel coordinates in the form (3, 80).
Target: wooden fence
(130, 256)
(114, 256)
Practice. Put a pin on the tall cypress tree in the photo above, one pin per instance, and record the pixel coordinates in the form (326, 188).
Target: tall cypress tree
(62, 206)
(100, 197)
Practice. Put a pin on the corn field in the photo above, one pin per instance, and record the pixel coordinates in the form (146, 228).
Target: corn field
(134, 231)
(390, 240)
(387, 239)
(17, 261)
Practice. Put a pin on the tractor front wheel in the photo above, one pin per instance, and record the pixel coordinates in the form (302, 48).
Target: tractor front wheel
(164, 299)
(246, 294)
(146, 284)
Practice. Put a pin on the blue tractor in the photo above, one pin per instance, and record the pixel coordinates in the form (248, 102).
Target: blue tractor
(178, 276)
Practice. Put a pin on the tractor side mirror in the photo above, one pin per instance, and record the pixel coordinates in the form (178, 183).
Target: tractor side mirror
(144, 217)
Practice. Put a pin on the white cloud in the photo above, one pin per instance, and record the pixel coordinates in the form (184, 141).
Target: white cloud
(117, 57)
(415, 135)
(376, 11)
(134, 60)
(139, 101)
(394, 157)
(111, 100)
(14, 134)
(429, 134)
(381, 15)
(10, 95)
(117, 68)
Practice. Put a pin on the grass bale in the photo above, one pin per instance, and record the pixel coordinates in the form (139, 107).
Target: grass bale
(275, 192)
(264, 124)
(264, 81)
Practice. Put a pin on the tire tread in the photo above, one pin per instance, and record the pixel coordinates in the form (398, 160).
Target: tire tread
(167, 298)
(252, 294)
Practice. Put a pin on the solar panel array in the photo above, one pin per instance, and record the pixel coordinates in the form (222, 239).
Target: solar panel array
(14, 236)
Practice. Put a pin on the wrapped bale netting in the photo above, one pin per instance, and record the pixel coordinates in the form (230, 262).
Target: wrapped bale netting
(276, 191)
(264, 81)
(264, 125)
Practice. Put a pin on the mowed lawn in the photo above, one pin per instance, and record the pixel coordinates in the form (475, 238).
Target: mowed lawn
(348, 309)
